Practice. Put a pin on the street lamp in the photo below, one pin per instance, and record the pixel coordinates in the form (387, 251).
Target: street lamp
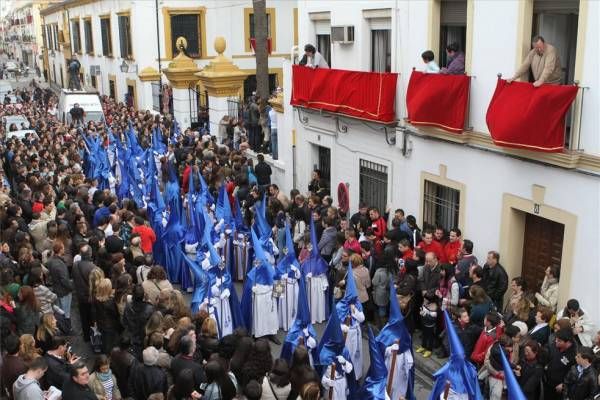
(124, 67)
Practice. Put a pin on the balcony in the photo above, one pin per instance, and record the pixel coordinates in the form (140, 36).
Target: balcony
(368, 96)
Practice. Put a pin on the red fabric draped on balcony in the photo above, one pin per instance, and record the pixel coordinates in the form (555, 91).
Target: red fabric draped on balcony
(526, 117)
(438, 100)
(365, 95)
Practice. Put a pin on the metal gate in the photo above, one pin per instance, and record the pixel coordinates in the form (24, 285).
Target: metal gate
(441, 206)
(199, 118)
(235, 108)
(373, 182)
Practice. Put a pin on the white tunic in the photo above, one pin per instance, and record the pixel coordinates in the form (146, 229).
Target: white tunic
(288, 302)
(339, 384)
(317, 299)
(404, 362)
(240, 257)
(354, 346)
(264, 311)
(220, 301)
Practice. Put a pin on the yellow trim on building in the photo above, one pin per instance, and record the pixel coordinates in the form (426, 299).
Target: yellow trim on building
(524, 27)
(433, 40)
(112, 78)
(168, 12)
(295, 26)
(512, 229)
(582, 21)
(272, 28)
(133, 83)
(126, 13)
(469, 36)
(85, 20)
(110, 39)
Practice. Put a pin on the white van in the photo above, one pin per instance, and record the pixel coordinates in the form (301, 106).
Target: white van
(89, 101)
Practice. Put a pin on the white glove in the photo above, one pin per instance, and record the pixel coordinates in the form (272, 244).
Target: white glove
(254, 289)
(309, 275)
(306, 332)
(213, 301)
(225, 294)
(395, 347)
(345, 328)
(341, 360)
(214, 291)
(211, 310)
(358, 315)
(294, 268)
(347, 367)
(228, 231)
(284, 276)
(311, 343)
(206, 264)
(218, 281)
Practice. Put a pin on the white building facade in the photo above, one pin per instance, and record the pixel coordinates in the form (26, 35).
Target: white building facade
(536, 209)
(105, 34)
(22, 33)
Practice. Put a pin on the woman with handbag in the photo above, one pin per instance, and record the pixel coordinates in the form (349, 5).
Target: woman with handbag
(106, 315)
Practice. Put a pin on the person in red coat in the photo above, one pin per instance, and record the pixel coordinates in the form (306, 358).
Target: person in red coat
(147, 235)
(431, 246)
(492, 330)
(453, 246)
(378, 224)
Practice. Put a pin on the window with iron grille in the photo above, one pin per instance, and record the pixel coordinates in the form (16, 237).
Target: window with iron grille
(125, 36)
(373, 184)
(106, 39)
(89, 41)
(76, 36)
(188, 26)
(441, 206)
(252, 26)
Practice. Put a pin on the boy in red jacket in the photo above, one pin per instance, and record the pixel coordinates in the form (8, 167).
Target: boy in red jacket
(492, 330)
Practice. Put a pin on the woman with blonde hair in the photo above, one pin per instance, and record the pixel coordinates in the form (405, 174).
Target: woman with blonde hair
(27, 349)
(106, 314)
(46, 332)
(310, 391)
(154, 324)
(96, 275)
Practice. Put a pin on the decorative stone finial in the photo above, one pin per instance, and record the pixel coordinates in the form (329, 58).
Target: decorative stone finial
(220, 45)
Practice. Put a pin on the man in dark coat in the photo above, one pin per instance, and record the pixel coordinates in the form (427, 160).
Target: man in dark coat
(76, 387)
(496, 279)
(81, 280)
(561, 359)
(263, 172)
(61, 283)
(147, 378)
(185, 360)
(581, 382)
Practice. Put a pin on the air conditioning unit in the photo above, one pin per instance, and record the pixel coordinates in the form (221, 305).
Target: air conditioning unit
(342, 34)
(94, 70)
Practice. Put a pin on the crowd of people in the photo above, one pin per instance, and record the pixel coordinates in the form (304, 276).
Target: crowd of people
(73, 240)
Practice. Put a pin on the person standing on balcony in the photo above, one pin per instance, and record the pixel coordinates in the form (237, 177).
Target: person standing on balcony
(456, 60)
(312, 58)
(544, 63)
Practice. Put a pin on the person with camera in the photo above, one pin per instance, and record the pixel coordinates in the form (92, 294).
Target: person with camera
(60, 358)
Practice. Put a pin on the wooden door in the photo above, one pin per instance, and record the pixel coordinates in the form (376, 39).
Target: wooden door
(542, 247)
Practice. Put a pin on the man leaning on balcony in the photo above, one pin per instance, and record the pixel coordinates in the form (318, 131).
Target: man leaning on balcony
(544, 63)
(312, 58)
